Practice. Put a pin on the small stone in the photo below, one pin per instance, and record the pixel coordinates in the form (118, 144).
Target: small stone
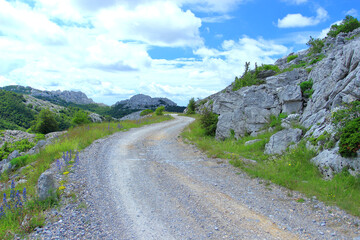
(216, 228)
(321, 233)
(323, 224)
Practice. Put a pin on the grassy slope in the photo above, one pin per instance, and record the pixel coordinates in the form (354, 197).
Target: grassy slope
(292, 169)
(76, 139)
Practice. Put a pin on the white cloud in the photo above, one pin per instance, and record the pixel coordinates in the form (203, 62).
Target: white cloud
(325, 31)
(161, 24)
(19, 21)
(298, 20)
(297, 2)
(352, 12)
(217, 19)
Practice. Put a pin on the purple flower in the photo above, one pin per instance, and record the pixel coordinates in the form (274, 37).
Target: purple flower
(24, 195)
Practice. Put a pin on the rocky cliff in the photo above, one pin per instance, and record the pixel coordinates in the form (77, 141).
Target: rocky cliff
(67, 96)
(334, 74)
(141, 101)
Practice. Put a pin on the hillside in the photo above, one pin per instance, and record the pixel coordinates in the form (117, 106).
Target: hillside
(311, 96)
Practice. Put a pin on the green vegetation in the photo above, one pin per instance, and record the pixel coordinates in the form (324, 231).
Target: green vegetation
(275, 121)
(316, 45)
(353, 37)
(76, 139)
(347, 25)
(45, 122)
(14, 113)
(248, 79)
(191, 106)
(293, 169)
(146, 112)
(291, 57)
(208, 122)
(160, 111)
(265, 67)
(348, 122)
(306, 88)
(22, 146)
(80, 117)
(292, 67)
(317, 59)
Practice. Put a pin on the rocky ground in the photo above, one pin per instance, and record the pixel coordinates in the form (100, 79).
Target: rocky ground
(147, 184)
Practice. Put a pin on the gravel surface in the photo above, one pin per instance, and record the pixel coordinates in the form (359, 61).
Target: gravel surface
(147, 184)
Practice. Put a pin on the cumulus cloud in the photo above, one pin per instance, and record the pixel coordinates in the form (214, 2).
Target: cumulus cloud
(18, 20)
(161, 24)
(352, 12)
(298, 20)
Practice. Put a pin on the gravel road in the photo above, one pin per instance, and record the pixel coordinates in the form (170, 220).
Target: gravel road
(147, 184)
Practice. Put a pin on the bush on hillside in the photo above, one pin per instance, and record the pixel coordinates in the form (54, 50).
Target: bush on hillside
(347, 25)
(80, 117)
(45, 122)
(315, 44)
(348, 122)
(146, 112)
(306, 88)
(209, 122)
(291, 57)
(160, 111)
(191, 106)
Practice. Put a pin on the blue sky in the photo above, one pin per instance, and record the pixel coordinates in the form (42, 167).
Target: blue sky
(114, 49)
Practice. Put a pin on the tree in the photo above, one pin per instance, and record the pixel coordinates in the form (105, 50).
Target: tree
(347, 25)
(46, 122)
(160, 111)
(80, 117)
(209, 122)
(315, 44)
(191, 106)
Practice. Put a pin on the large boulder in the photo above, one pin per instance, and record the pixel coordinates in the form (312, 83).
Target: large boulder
(330, 162)
(13, 155)
(291, 99)
(280, 141)
(46, 185)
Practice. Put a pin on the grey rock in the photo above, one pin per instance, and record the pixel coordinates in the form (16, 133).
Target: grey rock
(6, 167)
(330, 162)
(252, 142)
(281, 140)
(141, 101)
(265, 74)
(46, 185)
(13, 155)
(95, 117)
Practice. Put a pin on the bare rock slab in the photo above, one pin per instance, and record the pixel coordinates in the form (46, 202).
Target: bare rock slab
(281, 140)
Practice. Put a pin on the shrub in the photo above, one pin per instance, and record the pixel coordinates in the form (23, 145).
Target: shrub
(292, 67)
(208, 122)
(306, 88)
(146, 112)
(265, 67)
(160, 111)
(291, 57)
(46, 122)
(191, 106)
(317, 59)
(248, 79)
(80, 117)
(315, 44)
(348, 122)
(347, 25)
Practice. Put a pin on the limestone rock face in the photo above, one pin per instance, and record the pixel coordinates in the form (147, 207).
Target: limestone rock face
(281, 140)
(141, 101)
(336, 80)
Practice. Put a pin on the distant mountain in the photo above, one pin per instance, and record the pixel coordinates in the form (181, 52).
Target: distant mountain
(141, 101)
(53, 96)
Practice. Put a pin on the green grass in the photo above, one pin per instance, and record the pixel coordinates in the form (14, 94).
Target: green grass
(292, 169)
(75, 139)
(291, 57)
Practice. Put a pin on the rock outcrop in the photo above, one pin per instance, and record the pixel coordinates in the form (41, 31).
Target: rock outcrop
(336, 80)
(141, 101)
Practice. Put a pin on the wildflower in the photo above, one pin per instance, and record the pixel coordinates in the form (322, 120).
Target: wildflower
(66, 173)
(5, 202)
(62, 187)
(2, 212)
(24, 195)
(12, 191)
(18, 203)
(289, 164)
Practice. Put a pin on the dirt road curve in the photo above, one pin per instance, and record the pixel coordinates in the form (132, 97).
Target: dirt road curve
(147, 184)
